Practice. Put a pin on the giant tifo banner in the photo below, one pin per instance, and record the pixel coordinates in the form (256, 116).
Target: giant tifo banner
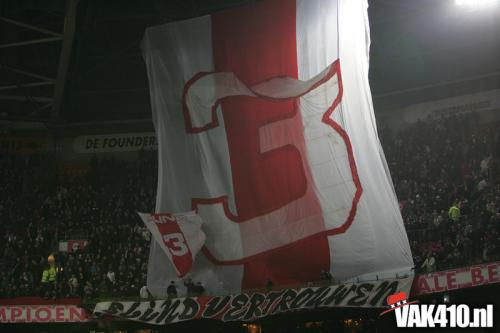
(266, 129)
(42, 314)
(255, 305)
(452, 279)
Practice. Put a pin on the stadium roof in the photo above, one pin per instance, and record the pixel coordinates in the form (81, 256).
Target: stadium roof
(76, 61)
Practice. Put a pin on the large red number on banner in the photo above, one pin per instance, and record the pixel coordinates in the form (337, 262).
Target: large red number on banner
(176, 244)
(262, 181)
(265, 143)
(271, 179)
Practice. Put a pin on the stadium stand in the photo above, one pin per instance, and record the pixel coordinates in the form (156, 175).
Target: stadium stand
(446, 176)
(41, 208)
(436, 164)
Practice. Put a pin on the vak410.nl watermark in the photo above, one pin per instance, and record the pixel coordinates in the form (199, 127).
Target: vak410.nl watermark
(411, 314)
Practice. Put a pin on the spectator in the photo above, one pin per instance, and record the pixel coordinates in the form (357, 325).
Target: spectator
(326, 276)
(172, 290)
(144, 292)
(190, 287)
(482, 185)
(269, 284)
(49, 281)
(73, 285)
(111, 276)
(454, 212)
(199, 289)
(429, 263)
(88, 290)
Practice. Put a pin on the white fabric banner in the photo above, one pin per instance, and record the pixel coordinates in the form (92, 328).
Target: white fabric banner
(265, 126)
(178, 235)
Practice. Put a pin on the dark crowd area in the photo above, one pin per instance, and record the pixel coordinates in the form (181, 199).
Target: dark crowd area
(446, 175)
(39, 207)
(445, 172)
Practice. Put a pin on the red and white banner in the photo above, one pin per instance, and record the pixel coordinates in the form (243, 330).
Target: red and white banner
(72, 245)
(178, 235)
(42, 314)
(458, 278)
(265, 127)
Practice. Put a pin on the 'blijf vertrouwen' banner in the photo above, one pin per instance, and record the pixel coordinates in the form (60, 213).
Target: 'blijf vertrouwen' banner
(251, 306)
(458, 278)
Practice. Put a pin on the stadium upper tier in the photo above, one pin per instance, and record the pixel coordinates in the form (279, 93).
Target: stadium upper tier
(445, 172)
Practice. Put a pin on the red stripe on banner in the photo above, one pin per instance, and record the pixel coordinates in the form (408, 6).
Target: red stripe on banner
(327, 119)
(258, 42)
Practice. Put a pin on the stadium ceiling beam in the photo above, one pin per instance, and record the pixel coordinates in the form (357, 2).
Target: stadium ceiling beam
(31, 27)
(31, 42)
(399, 4)
(65, 57)
(27, 73)
(26, 98)
(25, 85)
(436, 85)
(43, 107)
(404, 10)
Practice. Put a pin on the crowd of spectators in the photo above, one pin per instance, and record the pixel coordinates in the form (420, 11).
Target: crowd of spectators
(445, 171)
(446, 175)
(38, 208)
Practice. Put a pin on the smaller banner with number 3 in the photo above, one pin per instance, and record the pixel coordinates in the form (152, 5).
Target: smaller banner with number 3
(179, 236)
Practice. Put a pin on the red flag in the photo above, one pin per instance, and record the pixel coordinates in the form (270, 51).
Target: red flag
(179, 236)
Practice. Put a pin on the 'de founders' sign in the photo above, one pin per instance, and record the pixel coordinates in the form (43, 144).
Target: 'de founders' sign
(109, 143)
(254, 305)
